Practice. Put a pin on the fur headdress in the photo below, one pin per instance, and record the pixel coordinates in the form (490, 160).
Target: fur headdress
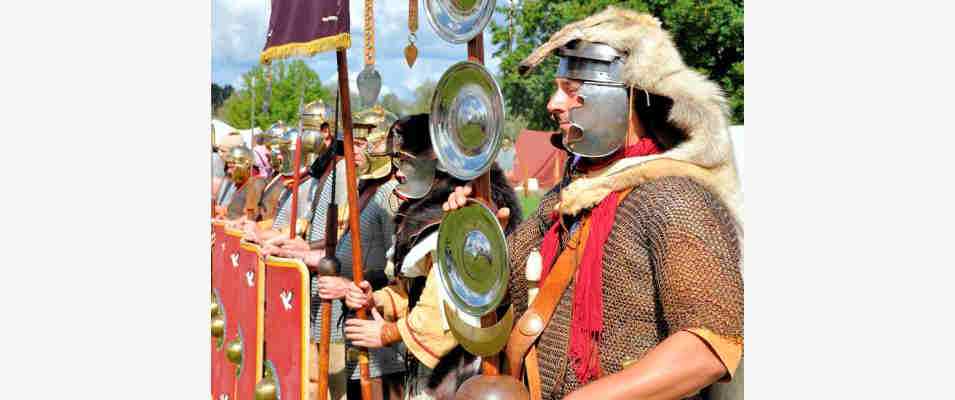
(653, 64)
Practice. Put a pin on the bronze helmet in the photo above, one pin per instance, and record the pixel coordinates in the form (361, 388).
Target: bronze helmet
(283, 150)
(240, 158)
(372, 125)
(315, 114)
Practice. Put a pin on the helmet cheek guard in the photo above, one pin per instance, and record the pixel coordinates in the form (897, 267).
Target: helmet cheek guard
(599, 125)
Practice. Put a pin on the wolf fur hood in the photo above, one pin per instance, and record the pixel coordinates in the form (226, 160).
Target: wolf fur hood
(653, 65)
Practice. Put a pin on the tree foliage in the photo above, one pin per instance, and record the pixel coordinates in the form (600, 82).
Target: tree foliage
(708, 34)
(422, 97)
(220, 94)
(392, 103)
(288, 80)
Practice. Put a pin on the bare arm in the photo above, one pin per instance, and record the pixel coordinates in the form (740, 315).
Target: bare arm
(696, 257)
(678, 367)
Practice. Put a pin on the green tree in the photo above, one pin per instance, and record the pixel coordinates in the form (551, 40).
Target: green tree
(708, 34)
(219, 95)
(392, 103)
(288, 79)
(422, 97)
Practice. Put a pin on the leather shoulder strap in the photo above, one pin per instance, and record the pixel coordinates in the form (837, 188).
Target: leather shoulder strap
(364, 198)
(530, 326)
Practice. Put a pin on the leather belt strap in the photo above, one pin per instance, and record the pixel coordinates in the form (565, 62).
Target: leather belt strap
(530, 326)
(533, 374)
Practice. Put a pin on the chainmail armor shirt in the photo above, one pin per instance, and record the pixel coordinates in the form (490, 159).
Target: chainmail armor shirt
(306, 193)
(377, 228)
(671, 263)
(226, 190)
(218, 166)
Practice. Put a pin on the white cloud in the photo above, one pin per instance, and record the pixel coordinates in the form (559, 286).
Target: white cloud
(239, 28)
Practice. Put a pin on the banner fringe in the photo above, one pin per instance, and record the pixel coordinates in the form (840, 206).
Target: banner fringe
(307, 49)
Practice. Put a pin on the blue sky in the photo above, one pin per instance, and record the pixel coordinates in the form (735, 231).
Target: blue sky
(239, 28)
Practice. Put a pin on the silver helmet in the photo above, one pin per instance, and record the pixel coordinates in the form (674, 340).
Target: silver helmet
(599, 125)
(417, 167)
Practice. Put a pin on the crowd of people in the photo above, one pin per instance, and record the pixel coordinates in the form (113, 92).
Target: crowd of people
(638, 246)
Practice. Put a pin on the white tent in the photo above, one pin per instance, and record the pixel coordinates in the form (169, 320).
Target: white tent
(222, 129)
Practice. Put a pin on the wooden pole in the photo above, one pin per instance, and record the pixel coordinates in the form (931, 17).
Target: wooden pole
(482, 191)
(293, 218)
(331, 245)
(352, 183)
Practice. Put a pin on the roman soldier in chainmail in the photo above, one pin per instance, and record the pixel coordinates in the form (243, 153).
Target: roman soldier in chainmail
(238, 197)
(410, 307)
(638, 247)
(276, 203)
(377, 207)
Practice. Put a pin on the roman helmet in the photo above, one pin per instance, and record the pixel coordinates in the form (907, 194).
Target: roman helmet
(240, 159)
(413, 155)
(271, 136)
(599, 125)
(283, 150)
(314, 116)
(372, 125)
(618, 52)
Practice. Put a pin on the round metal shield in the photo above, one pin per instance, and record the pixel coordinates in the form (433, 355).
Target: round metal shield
(467, 120)
(458, 21)
(472, 259)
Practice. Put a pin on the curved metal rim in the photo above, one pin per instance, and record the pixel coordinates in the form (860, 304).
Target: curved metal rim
(499, 234)
(481, 341)
(483, 17)
(499, 128)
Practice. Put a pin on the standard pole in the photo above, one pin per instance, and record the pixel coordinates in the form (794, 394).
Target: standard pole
(482, 191)
(354, 227)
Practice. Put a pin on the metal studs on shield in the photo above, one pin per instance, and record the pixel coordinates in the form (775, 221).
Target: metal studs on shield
(467, 120)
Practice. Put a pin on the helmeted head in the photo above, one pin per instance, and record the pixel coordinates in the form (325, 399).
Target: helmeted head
(413, 156)
(283, 150)
(270, 136)
(239, 164)
(370, 130)
(315, 122)
(590, 103)
(231, 140)
(315, 114)
(621, 62)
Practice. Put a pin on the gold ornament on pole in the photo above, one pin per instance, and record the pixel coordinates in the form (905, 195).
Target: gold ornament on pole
(369, 80)
(411, 52)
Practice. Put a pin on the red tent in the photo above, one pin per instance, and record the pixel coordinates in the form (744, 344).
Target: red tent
(536, 158)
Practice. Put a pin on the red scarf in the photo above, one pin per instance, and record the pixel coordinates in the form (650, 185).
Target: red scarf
(587, 321)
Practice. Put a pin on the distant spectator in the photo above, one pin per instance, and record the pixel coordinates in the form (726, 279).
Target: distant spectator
(263, 169)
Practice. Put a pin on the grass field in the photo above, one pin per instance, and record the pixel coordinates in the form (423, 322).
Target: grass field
(529, 203)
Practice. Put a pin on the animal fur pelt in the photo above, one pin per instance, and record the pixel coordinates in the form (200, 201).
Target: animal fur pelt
(699, 110)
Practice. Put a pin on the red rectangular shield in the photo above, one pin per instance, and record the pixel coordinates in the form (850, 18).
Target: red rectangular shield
(249, 316)
(286, 319)
(217, 345)
(226, 280)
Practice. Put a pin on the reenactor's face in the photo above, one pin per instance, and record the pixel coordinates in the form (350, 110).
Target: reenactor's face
(563, 100)
(360, 160)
